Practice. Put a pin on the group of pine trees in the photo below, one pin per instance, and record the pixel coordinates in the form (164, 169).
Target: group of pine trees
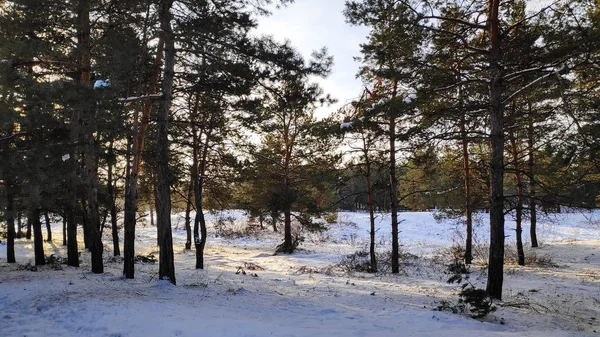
(110, 108)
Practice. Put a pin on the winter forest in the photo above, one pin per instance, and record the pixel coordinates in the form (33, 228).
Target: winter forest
(168, 169)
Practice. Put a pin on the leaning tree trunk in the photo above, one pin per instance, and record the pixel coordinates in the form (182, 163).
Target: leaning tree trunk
(166, 269)
(519, 205)
(48, 227)
(530, 164)
(19, 225)
(496, 255)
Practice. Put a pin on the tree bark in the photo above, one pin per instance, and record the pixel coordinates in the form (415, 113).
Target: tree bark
(19, 225)
(394, 190)
(373, 257)
(131, 190)
(188, 210)
(10, 222)
(113, 199)
(166, 269)
(48, 227)
(90, 171)
(38, 240)
(467, 180)
(64, 229)
(496, 255)
(28, 232)
(519, 205)
(530, 164)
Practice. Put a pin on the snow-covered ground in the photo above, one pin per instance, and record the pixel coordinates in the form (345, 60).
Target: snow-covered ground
(247, 291)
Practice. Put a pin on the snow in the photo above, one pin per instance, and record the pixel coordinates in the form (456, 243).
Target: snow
(346, 125)
(101, 84)
(303, 294)
(409, 98)
(137, 98)
(65, 157)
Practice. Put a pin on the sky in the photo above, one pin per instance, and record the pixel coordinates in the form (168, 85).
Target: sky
(312, 24)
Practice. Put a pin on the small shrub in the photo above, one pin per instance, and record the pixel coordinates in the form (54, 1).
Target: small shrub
(331, 218)
(476, 301)
(473, 301)
(356, 262)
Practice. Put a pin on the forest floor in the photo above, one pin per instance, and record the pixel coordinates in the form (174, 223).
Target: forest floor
(245, 290)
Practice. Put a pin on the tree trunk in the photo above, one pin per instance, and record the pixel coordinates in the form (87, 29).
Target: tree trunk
(48, 227)
(90, 170)
(85, 224)
(64, 229)
(113, 200)
(10, 222)
(33, 216)
(166, 269)
(530, 164)
(188, 218)
(28, 232)
(131, 190)
(394, 190)
(496, 255)
(519, 205)
(467, 178)
(274, 216)
(19, 225)
(372, 255)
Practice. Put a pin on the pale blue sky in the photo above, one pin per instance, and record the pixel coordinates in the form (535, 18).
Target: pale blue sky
(312, 24)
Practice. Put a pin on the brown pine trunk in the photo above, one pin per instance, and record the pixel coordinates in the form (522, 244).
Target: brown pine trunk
(166, 269)
(519, 205)
(131, 190)
(48, 227)
(530, 164)
(496, 255)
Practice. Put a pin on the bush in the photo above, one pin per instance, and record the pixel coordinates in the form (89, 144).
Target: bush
(331, 218)
(472, 300)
